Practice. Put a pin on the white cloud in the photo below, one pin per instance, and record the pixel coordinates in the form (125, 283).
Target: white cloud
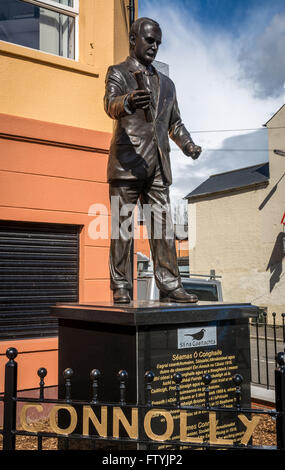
(264, 64)
(212, 94)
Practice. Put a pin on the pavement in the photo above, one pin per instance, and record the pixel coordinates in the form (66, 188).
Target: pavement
(261, 393)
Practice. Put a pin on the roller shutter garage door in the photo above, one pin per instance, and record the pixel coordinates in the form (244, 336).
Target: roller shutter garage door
(38, 267)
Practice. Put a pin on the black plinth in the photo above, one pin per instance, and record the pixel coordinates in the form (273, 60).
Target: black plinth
(193, 339)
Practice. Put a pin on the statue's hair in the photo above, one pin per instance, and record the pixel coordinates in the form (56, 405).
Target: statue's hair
(136, 26)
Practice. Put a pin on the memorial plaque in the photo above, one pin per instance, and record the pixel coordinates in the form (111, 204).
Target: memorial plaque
(194, 340)
(220, 349)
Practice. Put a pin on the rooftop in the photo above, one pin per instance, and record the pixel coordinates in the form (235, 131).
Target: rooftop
(275, 114)
(230, 180)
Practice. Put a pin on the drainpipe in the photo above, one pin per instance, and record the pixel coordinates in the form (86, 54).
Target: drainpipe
(131, 8)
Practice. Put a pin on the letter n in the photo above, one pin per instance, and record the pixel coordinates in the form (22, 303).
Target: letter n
(132, 429)
(101, 427)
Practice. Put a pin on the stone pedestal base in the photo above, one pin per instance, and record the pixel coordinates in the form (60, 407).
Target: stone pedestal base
(193, 339)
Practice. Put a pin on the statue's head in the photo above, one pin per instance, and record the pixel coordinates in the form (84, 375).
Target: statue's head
(145, 39)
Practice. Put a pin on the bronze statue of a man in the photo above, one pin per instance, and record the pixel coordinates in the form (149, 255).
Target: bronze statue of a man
(142, 101)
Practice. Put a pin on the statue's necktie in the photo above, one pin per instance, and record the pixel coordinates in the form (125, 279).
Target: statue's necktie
(151, 82)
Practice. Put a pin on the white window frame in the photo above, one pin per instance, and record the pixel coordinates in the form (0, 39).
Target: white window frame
(60, 8)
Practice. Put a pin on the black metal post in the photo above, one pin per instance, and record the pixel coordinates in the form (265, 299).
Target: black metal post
(280, 400)
(67, 374)
(131, 8)
(257, 349)
(177, 378)
(122, 376)
(10, 406)
(274, 336)
(131, 11)
(207, 379)
(42, 372)
(149, 376)
(266, 349)
(95, 374)
(237, 379)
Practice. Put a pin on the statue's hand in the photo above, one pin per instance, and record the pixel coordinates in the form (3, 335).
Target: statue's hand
(193, 150)
(139, 99)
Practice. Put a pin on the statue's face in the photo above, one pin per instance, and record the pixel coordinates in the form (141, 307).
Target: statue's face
(145, 45)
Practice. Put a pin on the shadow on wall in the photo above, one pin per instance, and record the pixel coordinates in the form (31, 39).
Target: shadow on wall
(270, 194)
(275, 261)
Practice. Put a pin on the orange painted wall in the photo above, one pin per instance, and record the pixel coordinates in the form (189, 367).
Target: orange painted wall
(49, 88)
(32, 354)
(182, 248)
(53, 173)
(44, 183)
(142, 243)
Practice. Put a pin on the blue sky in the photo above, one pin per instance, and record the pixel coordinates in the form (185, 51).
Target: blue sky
(226, 14)
(226, 58)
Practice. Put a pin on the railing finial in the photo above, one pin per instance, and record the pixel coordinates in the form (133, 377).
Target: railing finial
(95, 375)
(123, 377)
(11, 353)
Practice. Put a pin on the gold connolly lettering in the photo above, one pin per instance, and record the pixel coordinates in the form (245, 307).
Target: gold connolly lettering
(213, 431)
(53, 419)
(250, 427)
(132, 429)
(183, 430)
(88, 414)
(23, 418)
(169, 425)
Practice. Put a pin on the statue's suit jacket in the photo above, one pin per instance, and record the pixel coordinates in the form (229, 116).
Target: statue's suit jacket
(135, 141)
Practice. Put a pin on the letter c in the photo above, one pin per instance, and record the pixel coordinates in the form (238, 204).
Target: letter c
(23, 418)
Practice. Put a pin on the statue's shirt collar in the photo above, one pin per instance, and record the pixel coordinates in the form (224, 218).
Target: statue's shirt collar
(136, 65)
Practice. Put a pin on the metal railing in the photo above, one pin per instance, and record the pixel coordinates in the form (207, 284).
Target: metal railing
(265, 340)
(136, 419)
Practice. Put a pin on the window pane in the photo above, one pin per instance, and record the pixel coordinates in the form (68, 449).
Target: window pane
(19, 23)
(203, 291)
(68, 3)
(56, 33)
(39, 28)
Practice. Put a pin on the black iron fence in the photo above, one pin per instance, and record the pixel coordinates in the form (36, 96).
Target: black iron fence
(265, 340)
(132, 424)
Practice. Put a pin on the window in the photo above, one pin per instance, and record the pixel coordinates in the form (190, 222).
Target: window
(46, 25)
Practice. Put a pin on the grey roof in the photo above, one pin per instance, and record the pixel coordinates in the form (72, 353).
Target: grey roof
(275, 114)
(241, 178)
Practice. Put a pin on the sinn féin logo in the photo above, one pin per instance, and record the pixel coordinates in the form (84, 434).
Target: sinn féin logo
(195, 337)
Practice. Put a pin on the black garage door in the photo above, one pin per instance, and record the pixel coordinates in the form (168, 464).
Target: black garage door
(38, 267)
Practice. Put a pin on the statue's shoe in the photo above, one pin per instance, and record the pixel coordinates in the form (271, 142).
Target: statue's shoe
(178, 295)
(121, 296)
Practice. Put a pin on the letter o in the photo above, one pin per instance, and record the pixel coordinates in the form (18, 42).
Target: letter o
(169, 425)
(73, 419)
